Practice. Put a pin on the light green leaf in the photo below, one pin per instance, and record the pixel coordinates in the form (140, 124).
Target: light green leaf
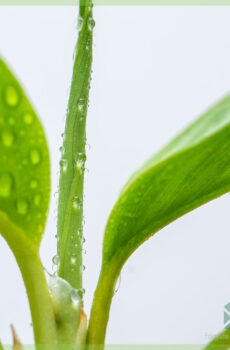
(24, 161)
(191, 170)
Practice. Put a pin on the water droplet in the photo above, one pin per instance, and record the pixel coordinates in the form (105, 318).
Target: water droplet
(91, 24)
(83, 267)
(11, 96)
(87, 147)
(81, 105)
(80, 22)
(6, 185)
(7, 138)
(22, 206)
(35, 156)
(33, 184)
(62, 150)
(37, 199)
(28, 118)
(73, 259)
(64, 164)
(80, 161)
(77, 203)
(75, 297)
(56, 260)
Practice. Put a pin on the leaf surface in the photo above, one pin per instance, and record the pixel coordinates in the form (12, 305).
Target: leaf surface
(191, 170)
(24, 162)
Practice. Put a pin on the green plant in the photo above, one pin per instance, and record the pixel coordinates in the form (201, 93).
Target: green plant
(191, 170)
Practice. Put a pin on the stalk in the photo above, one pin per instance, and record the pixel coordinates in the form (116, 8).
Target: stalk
(41, 305)
(71, 184)
(101, 307)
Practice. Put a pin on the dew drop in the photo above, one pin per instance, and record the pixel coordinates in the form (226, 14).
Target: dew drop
(56, 260)
(80, 22)
(22, 206)
(91, 24)
(77, 202)
(81, 105)
(83, 267)
(6, 184)
(62, 150)
(28, 118)
(33, 184)
(35, 156)
(64, 164)
(7, 138)
(11, 96)
(80, 161)
(37, 199)
(75, 297)
(73, 259)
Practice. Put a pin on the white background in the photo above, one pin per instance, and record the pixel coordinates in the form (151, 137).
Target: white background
(155, 70)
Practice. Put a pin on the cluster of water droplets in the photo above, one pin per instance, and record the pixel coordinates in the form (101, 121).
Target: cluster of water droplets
(63, 294)
(10, 140)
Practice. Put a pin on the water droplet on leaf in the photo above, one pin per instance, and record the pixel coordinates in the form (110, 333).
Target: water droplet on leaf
(80, 161)
(7, 138)
(33, 184)
(35, 156)
(37, 199)
(56, 260)
(64, 164)
(6, 184)
(73, 259)
(91, 24)
(81, 105)
(77, 202)
(11, 96)
(22, 206)
(80, 22)
(28, 118)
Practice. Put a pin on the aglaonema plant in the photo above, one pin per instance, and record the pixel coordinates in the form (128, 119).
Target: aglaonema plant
(191, 170)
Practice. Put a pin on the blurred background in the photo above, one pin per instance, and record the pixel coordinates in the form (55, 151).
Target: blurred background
(155, 69)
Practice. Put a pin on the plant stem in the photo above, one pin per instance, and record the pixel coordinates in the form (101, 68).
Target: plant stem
(71, 184)
(28, 260)
(101, 306)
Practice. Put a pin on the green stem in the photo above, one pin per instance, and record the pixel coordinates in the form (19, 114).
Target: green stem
(28, 260)
(101, 306)
(71, 184)
(39, 298)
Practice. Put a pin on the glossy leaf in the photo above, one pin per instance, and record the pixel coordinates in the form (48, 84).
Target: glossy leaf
(191, 170)
(24, 159)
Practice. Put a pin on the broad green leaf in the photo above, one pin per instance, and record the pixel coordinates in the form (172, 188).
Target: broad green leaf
(24, 162)
(191, 170)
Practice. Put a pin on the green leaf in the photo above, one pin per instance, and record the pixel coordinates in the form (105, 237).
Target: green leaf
(24, 196)
(191, 170)
(24, 159)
